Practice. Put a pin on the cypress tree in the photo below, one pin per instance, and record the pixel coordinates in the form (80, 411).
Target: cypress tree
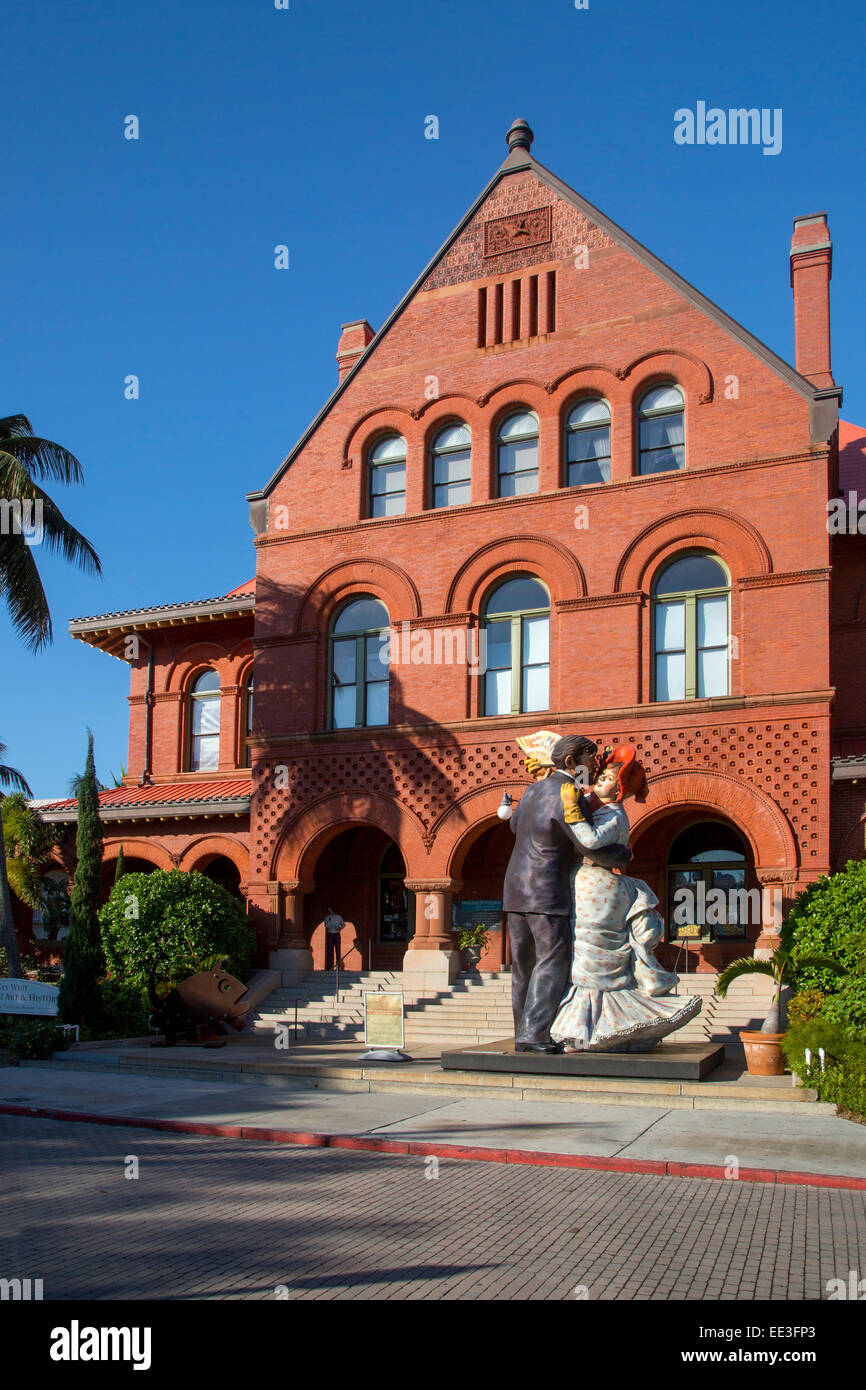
(119, 870)
(83, 957)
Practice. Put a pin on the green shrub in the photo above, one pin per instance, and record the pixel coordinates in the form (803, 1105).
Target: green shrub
(167, 920)
(843, 1081)
(123, 1011)
(829, 918)
(31, 1038)
(805, 1005)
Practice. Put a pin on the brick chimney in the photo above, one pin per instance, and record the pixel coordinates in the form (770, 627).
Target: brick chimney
(353, 340)
(811, 268)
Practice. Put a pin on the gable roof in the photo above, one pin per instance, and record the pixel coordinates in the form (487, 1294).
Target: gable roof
(519, 160)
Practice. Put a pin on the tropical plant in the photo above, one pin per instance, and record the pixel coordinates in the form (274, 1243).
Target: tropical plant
(829, 917)
(9, 777)
(469, 937)
(83, 956)
(783, 968)
(25, 461)
(840, 1074)
(169, 924)
(30, 844)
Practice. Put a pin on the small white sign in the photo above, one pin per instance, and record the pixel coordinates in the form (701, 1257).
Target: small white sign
(28, 997)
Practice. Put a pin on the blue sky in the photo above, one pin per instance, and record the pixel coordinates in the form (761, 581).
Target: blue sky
(305, 127)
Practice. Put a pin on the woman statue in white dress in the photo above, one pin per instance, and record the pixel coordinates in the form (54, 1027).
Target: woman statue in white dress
(618, 999)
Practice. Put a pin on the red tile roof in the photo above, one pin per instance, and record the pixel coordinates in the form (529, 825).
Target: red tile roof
(164, 794)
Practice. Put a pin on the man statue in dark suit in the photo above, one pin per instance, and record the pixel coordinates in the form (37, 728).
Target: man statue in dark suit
(537, 894)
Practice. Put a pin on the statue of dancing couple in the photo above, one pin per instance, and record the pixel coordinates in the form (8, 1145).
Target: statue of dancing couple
(584, 976)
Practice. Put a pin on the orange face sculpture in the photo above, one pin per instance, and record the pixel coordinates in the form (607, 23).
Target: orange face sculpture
(199, 1007)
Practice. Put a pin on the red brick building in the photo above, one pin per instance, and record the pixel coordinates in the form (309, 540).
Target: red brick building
(579, 497)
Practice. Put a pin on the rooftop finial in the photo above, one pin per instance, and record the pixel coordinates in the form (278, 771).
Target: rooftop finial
(520, 136)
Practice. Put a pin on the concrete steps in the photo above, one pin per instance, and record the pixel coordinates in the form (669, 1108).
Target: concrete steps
(477, 1008)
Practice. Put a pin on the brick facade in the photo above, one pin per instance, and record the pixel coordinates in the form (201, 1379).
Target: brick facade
(536, 302)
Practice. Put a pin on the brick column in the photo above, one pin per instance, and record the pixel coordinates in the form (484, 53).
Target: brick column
(292, 957)
(229, 707)
(432, 960)
(773, 893)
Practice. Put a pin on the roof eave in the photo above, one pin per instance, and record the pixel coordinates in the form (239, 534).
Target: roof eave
(235, 806)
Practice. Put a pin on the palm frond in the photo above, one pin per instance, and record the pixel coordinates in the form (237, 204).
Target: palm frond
(11, 777)
(746, 965)
(817, 962)
(21, 588)
(42, 456)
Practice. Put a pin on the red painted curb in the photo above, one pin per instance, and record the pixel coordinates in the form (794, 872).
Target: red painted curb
(285, 1136)
(423, 1148)
(531, 1157)
(357, 1141)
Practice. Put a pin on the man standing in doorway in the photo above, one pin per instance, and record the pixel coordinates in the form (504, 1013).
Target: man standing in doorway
(334, 925)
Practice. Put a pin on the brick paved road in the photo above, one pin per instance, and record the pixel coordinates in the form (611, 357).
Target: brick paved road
(222, 1218)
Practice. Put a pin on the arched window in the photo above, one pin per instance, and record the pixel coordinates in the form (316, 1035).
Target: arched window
(450, 460)
(248, 720)
(587, 443)
(204, 722)
(359, 665)
(386, 471)
(516, 658)
(690, 628)
(708, 894)
(661, 430)
(517, 454)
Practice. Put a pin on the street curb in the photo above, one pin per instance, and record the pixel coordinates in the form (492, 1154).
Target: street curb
(424, 1148)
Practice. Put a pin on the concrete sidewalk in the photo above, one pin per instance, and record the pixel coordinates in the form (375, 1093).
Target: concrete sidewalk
(706, 1143)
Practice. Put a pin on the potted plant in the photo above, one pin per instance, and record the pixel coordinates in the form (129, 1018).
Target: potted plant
(764, 1048)
(472, 941)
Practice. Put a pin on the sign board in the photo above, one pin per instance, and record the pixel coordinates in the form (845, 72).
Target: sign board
(383, 1019)
(476, 912)
(28, 997)
(689, 931)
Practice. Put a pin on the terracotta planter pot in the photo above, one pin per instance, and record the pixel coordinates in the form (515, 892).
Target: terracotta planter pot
(764, 1056)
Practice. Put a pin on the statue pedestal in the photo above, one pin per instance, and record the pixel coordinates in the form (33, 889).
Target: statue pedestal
(668, 1061)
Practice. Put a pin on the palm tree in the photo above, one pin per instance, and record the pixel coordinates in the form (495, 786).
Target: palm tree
(782, 967)
(25, 460)
(30, 845)
(9, 777)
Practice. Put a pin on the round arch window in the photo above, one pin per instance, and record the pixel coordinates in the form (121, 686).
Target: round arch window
(450, 465)
(204, 749)
(386, 475)
(661, 430)
(516, 630)
(587, 443)
(359, 662)
(691, 629)
(708, 893)
(517, 454)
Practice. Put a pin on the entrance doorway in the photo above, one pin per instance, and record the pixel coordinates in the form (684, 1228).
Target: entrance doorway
(361, 874)
(708, 895)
